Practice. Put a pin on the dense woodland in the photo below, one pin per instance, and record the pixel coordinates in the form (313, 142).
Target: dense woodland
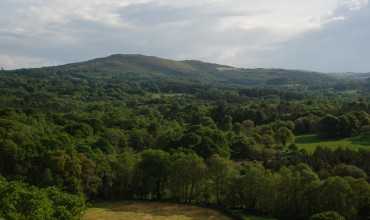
(69, 138)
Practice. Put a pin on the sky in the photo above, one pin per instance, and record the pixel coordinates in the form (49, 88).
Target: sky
(319, 35)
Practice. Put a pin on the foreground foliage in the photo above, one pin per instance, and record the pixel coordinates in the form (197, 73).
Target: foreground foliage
(19, 201)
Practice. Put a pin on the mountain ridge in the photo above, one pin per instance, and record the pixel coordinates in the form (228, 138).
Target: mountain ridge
(138, 66)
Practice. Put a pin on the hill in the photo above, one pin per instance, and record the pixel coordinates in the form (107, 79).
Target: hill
(139, 67)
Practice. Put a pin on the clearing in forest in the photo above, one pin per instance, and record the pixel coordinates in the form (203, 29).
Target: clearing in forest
(311, 142)
(151, 211)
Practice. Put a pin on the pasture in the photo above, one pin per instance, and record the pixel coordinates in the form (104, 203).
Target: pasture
(151, 211)
(311, 142)
(155, 211)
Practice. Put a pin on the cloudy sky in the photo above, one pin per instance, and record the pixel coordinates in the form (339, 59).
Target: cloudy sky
(322, 35)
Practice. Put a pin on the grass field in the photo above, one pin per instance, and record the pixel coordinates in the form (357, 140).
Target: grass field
(311, 142)
(154, 211)
(151, 211)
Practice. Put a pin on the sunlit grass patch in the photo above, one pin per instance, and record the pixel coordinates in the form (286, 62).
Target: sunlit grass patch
(311, 142)
(151, 211)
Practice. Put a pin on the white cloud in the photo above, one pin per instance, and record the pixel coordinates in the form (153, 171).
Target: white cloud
(354, 4)
(14, 62)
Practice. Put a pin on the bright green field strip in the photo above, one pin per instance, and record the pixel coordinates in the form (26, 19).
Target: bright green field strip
(311, 142)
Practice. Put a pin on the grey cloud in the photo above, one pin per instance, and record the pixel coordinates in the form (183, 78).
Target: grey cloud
(153, 13)
(191, 32)
(340, 46)
(199, 38)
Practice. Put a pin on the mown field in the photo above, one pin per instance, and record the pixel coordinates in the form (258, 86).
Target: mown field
(311, 142)
(154, 211)
(151, 211)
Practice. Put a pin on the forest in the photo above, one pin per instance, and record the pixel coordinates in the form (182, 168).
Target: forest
(73, 135)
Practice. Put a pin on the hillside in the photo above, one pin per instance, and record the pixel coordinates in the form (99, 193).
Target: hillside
(135, 67)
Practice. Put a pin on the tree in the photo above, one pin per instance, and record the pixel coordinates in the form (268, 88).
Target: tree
(190, 140)
(213, 141)
(153, 171)
(123, 174)
(219, 112)
(19, 201)
(116, 138)
(284, 136)
(208, 122)
(361, 191)
(79, 130)
(349, 170)
(349, 125)
(66, 206)
(67, 168)
(227, 123)
(90, 181)
(8, 156)
(104, 145)
(305, 125)
(330, 215)
(328, 127)
(250, 186)
(336, 195)
(140, 139)
(248, 126)
(187, 174)
(243, 148)
(293, 187)
(220, 172)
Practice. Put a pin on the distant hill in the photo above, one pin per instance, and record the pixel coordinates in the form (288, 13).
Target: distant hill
(153, 68)
(150, 73)
(356, 76)
(130, 63)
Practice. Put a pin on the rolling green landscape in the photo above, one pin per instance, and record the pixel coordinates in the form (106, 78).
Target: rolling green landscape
(181, 135)
(184, 110)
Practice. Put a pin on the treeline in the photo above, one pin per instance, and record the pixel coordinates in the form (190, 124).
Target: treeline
(346, 125)
(290, 192)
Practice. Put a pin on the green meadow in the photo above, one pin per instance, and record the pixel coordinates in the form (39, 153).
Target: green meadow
(156, 211)
(151, 211)
(311, 142)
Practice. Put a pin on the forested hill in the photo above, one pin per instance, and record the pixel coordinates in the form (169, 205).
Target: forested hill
(144, 68)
